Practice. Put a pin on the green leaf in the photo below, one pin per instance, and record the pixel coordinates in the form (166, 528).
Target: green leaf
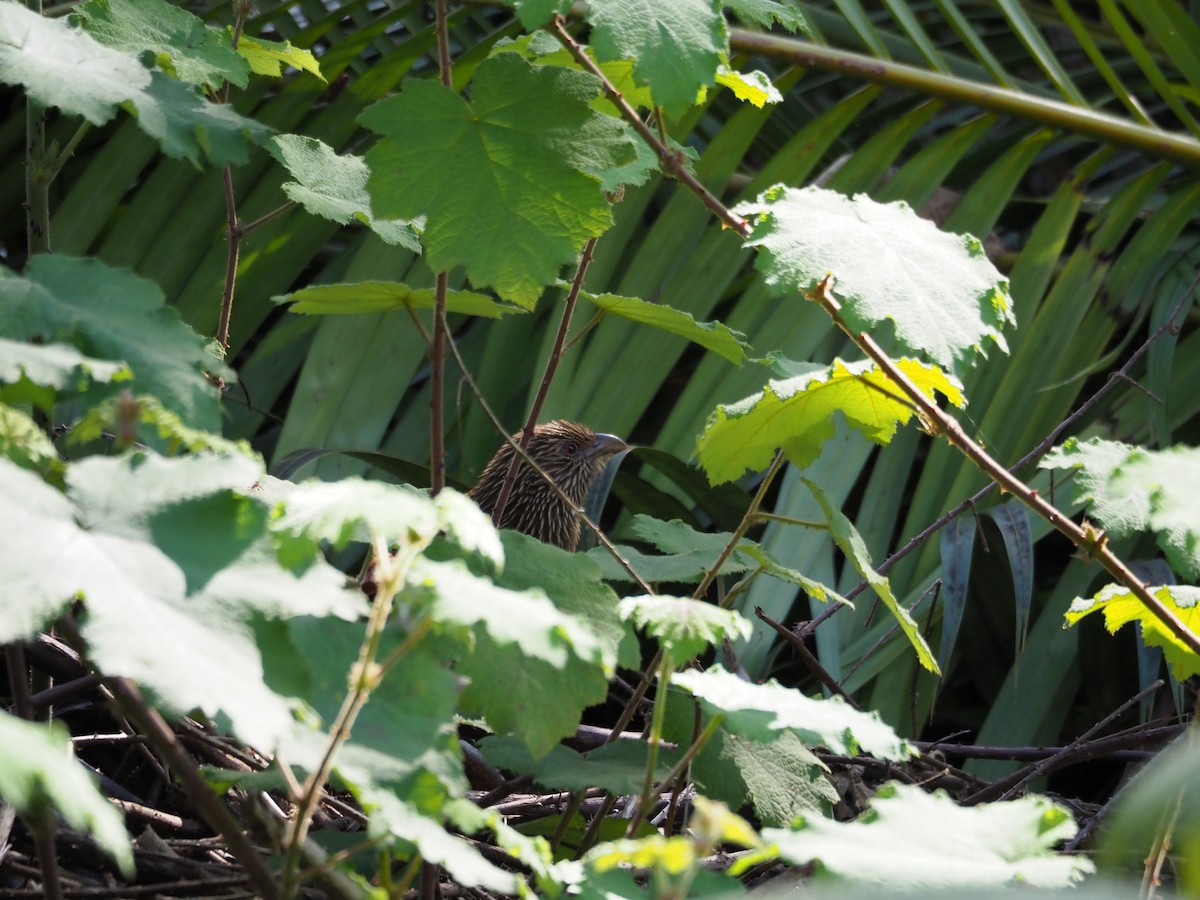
(534, 668)
(940, 290)
(40, 777)
(24, 443)
(684, 627)
(575, 585)
(797, 414)
(179, 576)
(850, 542)
(67, 68)
(466, 865)
(536, 13)
(269, 57)
(1133, 489)
(112, 314)
(404, 734)
(1121, 606)
(780, 776)
(714, 336)
(503, 180)
(145, 421)
(354, 509)
(335, 187)
(182, 44)
(619, 767)
(761, 711)
(37, 373)
(768, 12)
(380, 296)
(753, 87)
(676, 45)
(912, 838)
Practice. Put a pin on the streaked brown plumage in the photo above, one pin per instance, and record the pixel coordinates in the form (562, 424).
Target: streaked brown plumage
(570, 453)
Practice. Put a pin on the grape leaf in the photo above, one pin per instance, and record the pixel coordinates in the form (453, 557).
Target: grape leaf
(1133, 489)
(760, 711)
(269, 57)
(536, 13)
(714, 336)
(684, 627)
(182, 44)
(506, 181)
(910, 838)
(676, 45)
(179, 577)
(40, 776)
(754, 87)
(797, 414)
(850, 542)
(112, 314)
(335, 187)
(940, 290)
(1120, 606)
(67, 68)
(380, 296)
(36, 373)
(768, 12)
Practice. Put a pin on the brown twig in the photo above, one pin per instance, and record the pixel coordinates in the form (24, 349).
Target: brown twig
(535, 409)
(1007, 787)
(1121, 375)
(437, 349)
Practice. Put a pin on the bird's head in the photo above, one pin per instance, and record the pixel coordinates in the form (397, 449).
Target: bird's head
(571, 454)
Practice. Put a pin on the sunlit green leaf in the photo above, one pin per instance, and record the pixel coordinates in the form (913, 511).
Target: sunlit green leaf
(1133, 489)
(381, 296)
(335, 187)
(910, 837)
(684, 627)
(759, 711)
(1120, 606)
(504, 180)
(940, 291)
(40, 778)
(183, 45)
(796, 414)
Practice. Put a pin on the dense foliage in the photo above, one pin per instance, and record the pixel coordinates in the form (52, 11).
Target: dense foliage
(349, 240)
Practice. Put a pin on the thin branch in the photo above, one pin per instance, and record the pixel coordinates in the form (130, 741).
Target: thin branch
(1006, 787)
(674, 162)
(1121, 375)
(601, 537)
(740, 532)
(556, 353)
(806, 656)
(437, 348)
(1091, 541)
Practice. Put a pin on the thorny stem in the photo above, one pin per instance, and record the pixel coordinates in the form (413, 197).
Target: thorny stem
(1089, 540)
(232, 223)
(437, 349)
(673, 161)
(1036, 453)
(535, 410)
(656, 731)
(1086, 538)
(364, 676)
(37, 176)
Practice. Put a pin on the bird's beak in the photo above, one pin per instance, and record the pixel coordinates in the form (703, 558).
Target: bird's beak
(607, 445)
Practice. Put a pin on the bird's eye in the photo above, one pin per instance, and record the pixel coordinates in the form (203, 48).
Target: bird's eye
(570, 449)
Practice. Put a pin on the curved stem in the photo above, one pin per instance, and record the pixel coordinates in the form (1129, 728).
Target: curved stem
(539, 401)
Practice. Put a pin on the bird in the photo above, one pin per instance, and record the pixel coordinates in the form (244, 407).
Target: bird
(573, 455)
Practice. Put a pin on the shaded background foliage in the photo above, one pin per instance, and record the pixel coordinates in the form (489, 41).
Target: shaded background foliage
(1099, 237)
